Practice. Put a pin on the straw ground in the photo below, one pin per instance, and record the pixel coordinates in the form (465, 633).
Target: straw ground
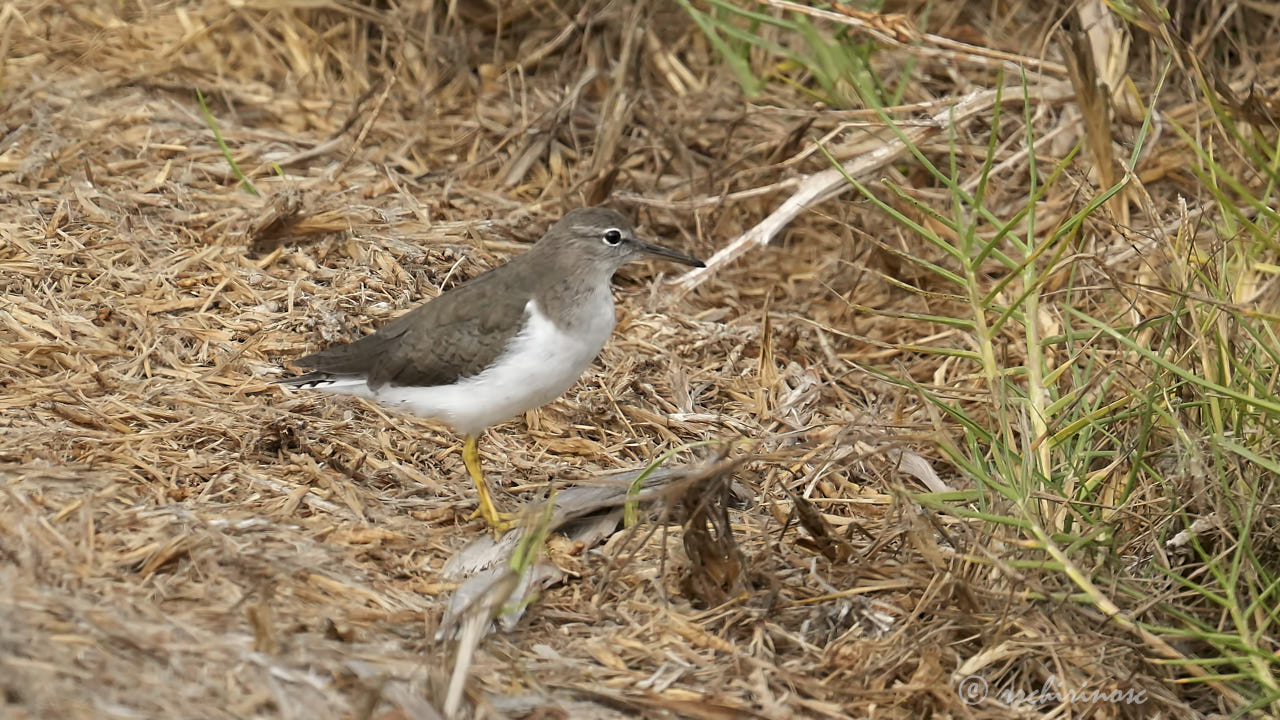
(986, 351)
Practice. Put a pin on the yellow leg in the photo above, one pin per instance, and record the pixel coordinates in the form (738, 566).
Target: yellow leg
(499, 521)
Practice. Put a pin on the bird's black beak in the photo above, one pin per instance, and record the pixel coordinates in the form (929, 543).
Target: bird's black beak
(659, 251)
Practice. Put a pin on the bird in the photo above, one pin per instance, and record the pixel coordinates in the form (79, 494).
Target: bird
(509, 340)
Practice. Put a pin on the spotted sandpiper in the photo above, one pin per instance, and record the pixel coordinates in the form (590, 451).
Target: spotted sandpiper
(507, 341)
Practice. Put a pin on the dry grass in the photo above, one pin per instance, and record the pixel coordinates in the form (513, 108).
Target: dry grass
(180, 539)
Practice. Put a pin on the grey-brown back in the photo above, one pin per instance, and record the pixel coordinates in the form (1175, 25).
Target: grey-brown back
(453, 336)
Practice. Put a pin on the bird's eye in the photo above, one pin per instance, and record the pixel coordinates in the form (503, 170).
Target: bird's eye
(612, 237)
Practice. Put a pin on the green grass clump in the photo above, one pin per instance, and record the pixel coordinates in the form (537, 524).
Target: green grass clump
(833, 67)
(1129, 422)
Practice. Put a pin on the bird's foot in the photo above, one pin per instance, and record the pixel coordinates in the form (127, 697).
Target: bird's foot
(499, 522)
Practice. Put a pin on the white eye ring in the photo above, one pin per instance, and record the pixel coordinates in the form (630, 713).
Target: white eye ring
(612, 237)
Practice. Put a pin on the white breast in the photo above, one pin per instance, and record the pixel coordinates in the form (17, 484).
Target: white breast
(540, 364)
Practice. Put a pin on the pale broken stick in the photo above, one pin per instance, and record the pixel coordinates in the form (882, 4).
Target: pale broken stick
(493, 592)
(831, 182)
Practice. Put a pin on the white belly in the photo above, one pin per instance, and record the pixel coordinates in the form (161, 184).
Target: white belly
(539, 365)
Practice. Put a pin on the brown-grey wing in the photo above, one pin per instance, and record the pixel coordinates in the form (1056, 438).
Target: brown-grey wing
(455, 335)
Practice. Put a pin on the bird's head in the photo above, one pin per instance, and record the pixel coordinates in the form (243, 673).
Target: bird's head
(604, 239)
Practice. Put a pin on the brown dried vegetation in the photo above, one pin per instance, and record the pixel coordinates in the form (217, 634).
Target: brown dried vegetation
(180, 539)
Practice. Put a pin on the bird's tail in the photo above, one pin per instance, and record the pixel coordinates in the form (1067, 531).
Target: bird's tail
(323, 381)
